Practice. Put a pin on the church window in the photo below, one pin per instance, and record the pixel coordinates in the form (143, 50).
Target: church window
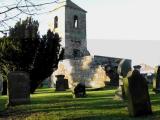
(75, 21)
(56, 22)
(76, 53)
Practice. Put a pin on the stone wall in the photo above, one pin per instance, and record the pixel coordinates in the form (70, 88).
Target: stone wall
(81, 70)
(89, 70)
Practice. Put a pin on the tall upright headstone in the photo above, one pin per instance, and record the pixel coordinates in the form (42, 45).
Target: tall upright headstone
(138, 96)
(156, 81)
(123, 68)
(18, 88)
(1, 83)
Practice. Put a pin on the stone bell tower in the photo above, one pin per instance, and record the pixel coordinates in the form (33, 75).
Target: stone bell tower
(70, 23)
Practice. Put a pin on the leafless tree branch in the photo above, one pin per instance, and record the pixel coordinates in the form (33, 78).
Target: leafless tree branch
(26, 6)
(20, 7)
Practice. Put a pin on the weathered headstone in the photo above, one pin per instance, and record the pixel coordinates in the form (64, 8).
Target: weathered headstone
(113, 75)
(79, 91)
(66, 84)
(114, 78)
(120, 93)
(138, 95)
(156, 81)
(125, 84)
(137, 67)
(18, 88)
(124, 67)
(1, 84)
(61, 83)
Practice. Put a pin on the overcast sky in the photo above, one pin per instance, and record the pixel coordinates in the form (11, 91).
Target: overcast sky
(121, 28)
(124, 28)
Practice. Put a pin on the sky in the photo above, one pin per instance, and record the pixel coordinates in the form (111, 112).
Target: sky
(124, 28)
(121, 28)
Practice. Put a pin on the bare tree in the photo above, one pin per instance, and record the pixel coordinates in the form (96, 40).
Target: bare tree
(14, 12)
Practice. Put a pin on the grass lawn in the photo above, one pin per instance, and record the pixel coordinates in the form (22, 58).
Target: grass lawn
(46, 104)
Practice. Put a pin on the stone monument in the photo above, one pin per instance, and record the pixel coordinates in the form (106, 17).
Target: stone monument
(123, 68)
(18, 88)
(113, 75)
(120, 93)
(138, 96)
(79, 91)
(61, 83)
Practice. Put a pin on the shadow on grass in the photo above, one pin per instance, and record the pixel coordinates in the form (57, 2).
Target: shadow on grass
(112, 117)
(98, 105)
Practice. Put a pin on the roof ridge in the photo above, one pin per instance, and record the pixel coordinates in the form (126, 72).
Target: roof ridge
(71, 4)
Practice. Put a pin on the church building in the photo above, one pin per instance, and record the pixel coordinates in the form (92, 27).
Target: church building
(69, 21)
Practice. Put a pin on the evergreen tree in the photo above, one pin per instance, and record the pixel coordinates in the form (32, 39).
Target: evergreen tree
(47, 58)
(8, 51)
(25, 34)
(23, 50)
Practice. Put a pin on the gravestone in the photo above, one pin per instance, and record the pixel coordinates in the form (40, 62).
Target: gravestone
(66, 84)
(120, 93)
(1, 84)
(137, 67)
(79, 91)
(124, 67)
(138, 95)
(156, 81)
(113, 75)
(18, 88)
(61, 83)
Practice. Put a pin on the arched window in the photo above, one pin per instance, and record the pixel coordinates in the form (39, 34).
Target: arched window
(75, 21)
(55, 22)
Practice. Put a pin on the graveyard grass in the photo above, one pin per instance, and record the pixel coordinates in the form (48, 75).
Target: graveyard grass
(46, 104)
